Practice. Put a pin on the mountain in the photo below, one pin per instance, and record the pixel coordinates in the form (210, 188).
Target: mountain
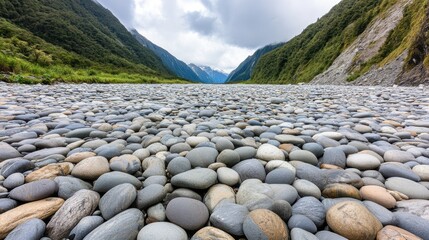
(78, 37)
(209, 75)
(173, 64)
(244, 71)
(370, 42)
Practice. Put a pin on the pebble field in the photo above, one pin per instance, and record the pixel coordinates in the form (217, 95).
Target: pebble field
(205, 162)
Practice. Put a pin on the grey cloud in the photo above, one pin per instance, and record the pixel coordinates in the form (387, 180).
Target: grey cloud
(201, 24)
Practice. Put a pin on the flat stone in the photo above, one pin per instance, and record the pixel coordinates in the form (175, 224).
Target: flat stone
(280, 176)
(303, 156)
(268, 152)
(79, 156)
(306, 188)
(67, 186)
(201, 178)
(85, 226)
(211, 233)
(283, 138)
(228, 176)
(250, 169)
(38, 209)
(229, 217)
(264, 224)
(394, 169)
(7, 204)
(378, 195)
(334, 156)
(8, 152)
(125, 163)
(46, 153)
(302, 222)
(32, 229)
(410, 188)
(326, 235)
(14, 180)
(311, 208)
(117, 200)
(417, 207)
(228, 157)
(81, 204)
(15, 166)
(34, 190)
(353, 221)
(91, 168)
(392, 232)
(413, 224)
(422, 171)
(109, 180)
(398, 156)
(187, 213)
(50, 172)
(218, 193)
(150, 195)
(383, 215)
(202, 156)
(125, 225)
(298, 233)
(339, 190)
(161, 231)
(362, 161)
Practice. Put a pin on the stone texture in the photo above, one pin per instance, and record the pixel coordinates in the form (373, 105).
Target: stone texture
(187, 213)
(91, 168)
(264, 224)
(50, 172)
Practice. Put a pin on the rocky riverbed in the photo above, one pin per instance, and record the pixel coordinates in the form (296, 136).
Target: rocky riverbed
(213, 162)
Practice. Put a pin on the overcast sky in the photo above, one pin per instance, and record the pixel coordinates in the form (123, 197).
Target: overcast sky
(217, 33)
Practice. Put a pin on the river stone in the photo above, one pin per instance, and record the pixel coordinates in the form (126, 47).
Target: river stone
(417, 207)
(207, 233)
(398, 170)
(315, 148)
(7, 204)
(412, 223)
(303, 156)
(310, 173)
(109, 180)
(32, 229)
(338, 190)
(79, 156)
(187, 213)
(150, 195)
(14, 180)
(250, 169)
(280, 176)
(334, 156)
(353, 221)
(85, 226)
(311, 208)
(8, 152)
(228, 176)
(302, 222)
(117, 200)
(410, 188)
(14, 166)
(162, 231)
(218, 193)
(178, 165)
(34, 190)
(255, 195)
(125, 163)
(326, 235)
(306, 188)
(200, 178)
(398, 156)
(125, 226)
(264, 224)
(46, 153)
(422, 171)
(383, 215)
(81, 204)
(268, 152)
(91, 168)
(38, 209)
(392, 232)
(50, 172)
(68, 185)
(79, 133)
(228, 157)
(298, 233)
(362, 161)
(202, 156)
(378, 195)
(229, 217)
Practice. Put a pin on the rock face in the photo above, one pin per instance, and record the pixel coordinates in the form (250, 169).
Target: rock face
(264, 224)
(126, 225)
(81, 204)
(353, 221)
(38, 209)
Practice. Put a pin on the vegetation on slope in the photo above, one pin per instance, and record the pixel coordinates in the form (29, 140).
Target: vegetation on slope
(25, 58)
(409, 34)
(315, 49)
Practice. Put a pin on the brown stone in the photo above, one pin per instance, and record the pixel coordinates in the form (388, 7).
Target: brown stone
(287, 147)
(81, 204)
(353, 221)
(378, 195)
(91, 168)
(39, 209)
(338, 190)
(211, 233)
(329, 166)
(264, 224)
(77, 157)
(218, 193)
(394, 233)
(50, 172)
(393, 123)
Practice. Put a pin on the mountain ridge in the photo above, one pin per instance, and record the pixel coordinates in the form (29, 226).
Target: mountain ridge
(209, 75)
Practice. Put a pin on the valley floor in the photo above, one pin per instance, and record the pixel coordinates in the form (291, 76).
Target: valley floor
(109, 161)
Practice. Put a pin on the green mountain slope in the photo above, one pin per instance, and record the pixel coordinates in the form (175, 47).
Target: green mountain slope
(77, 36)
(317, 47)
